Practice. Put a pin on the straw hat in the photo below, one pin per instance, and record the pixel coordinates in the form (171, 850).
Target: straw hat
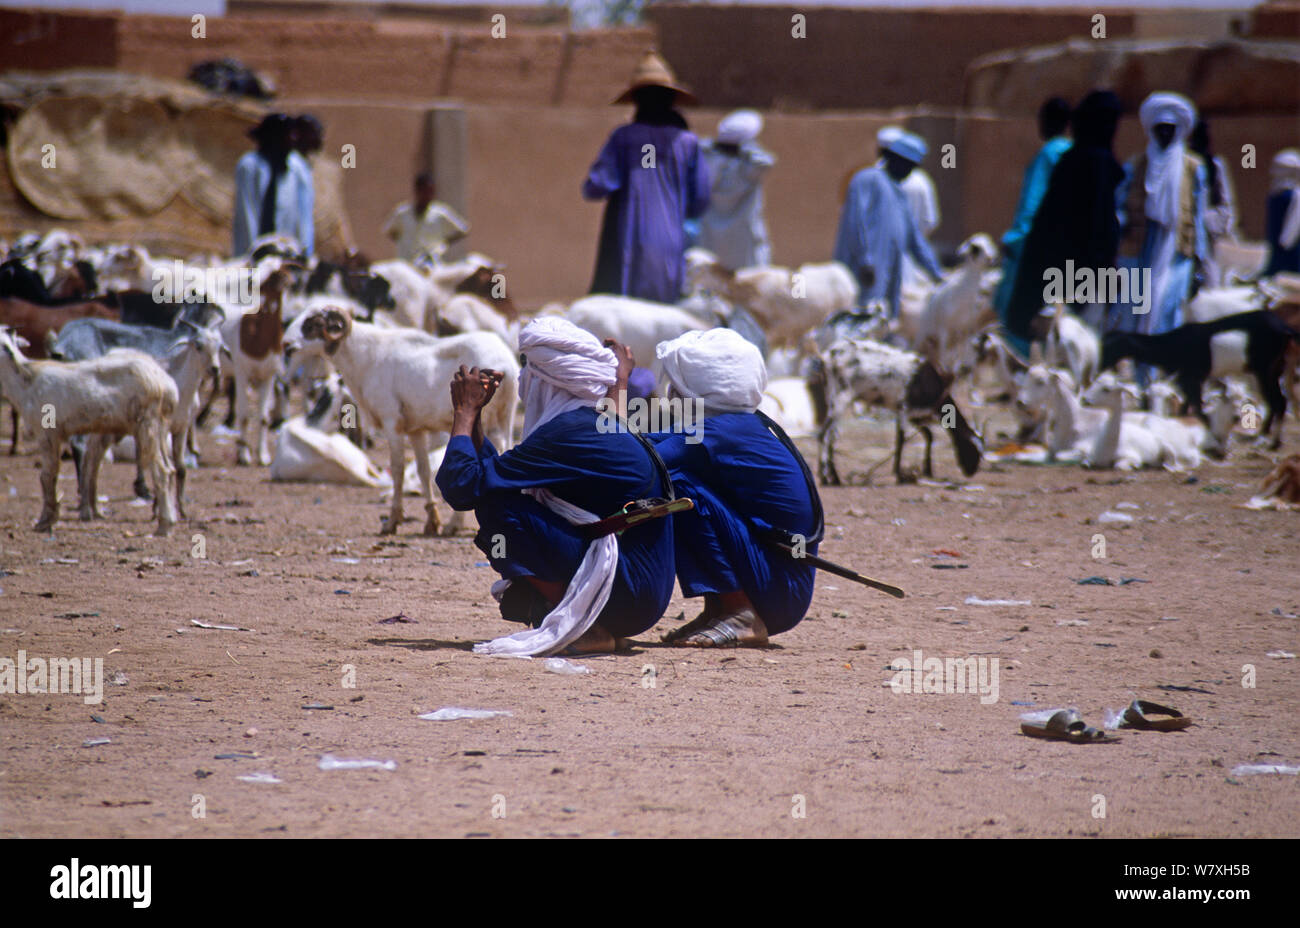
(653, 71)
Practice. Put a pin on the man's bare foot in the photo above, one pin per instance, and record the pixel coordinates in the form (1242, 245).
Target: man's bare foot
(710, 612)
(735, 629)
(594, 640)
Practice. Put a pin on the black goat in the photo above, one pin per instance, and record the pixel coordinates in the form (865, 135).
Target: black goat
(1187, 354)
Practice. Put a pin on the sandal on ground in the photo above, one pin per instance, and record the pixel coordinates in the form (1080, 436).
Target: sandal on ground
(1150, 716)
(1062, 725)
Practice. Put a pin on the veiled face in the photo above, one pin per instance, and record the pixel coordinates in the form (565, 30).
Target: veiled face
(1163, 133)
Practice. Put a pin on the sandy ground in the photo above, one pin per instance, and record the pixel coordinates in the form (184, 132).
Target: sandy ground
(806, 738)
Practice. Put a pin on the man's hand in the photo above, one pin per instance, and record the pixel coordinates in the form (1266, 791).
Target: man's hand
(626, 360)
(472, 389)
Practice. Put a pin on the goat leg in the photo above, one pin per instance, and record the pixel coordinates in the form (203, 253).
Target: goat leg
(928, 470)
(49, 485)
(397, 467)
(826, 459)
(420, 443)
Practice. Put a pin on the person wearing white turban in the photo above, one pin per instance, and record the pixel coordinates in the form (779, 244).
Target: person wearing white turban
(1162, 216)
(531, 502)
(746, 480)
(1282, 221)
(733, 227)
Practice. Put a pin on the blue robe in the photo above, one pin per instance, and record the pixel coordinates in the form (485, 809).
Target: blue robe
(1032, 190)
(741, 478)
(598, 472)
(1279, 258)
(643, 239)
(876, 229)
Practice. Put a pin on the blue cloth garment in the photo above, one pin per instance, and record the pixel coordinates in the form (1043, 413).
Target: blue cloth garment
(294, 201)
(1032, 190)
(596, 471)
(654, 180)
(743, 480)
(876, 229)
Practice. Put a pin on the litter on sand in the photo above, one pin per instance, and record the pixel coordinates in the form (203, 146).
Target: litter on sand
(223, 628)
(330, 762)
(260, 778)
(1245, 770)
(976, 601)
(1094, 581)
(451, 714)
(560, 665)
(400, 619)
(1110, 517)
(1280, 654)
(95, 742)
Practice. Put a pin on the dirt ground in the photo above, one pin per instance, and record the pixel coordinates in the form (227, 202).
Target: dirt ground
(805, 738)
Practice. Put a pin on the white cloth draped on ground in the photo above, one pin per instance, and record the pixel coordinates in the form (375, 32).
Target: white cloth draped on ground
(564, 368)
(717, 366)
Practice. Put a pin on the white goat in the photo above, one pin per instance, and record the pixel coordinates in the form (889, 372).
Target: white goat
(401, 379)
(875, 374)
(1072, 344)
(639, 324)
(418, 299)
(124, 391)
(788, 304)
(190, 363)
(958, 308)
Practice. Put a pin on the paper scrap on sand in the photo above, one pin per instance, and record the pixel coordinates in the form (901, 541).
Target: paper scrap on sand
(330, 762)
(451, 714)
(1242, 770)
(260, 778)
(560, 665)
(224, 628)
(976, 601)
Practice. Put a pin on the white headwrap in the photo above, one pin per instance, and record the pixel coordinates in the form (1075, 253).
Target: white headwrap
(1164, 175)
(565, 368)
(717, 366)
(1285, 175)
(740, 127)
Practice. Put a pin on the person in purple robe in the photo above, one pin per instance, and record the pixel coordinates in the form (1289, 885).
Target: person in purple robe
(653, 178)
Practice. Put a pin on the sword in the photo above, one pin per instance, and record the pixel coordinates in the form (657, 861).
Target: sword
(644, 511)
(831, 567)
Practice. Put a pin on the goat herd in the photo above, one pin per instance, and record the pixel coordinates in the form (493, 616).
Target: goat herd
(98, 343)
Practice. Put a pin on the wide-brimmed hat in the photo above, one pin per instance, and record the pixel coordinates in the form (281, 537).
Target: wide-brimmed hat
(653, 71)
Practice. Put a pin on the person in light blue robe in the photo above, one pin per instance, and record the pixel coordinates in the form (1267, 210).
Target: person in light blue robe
(259, 209)
(877, 226)
(733, 228)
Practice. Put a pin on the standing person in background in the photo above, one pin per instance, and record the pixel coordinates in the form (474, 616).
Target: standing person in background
(323, 186)
(877, 227)
(1162, 215)
(424, 227)
(1282, 221)
(1053, 118)
(1220, 203)
(1076, 220)
(269, 198)
(653, 177)
(733, 227)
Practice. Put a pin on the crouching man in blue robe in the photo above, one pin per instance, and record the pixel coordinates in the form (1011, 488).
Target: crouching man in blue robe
(747, 481)
(580, 594)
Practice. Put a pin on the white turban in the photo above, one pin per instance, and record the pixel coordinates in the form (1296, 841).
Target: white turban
(565, 368)
(717, 366)
(740, 127)
(1286, 176)
(1164, 174)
